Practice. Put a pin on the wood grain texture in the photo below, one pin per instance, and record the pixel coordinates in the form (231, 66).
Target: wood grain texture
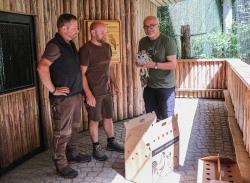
(200, 78)
(19, 128)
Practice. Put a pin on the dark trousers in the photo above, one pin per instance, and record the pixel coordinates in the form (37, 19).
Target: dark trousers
(160, 100)
(66, 115)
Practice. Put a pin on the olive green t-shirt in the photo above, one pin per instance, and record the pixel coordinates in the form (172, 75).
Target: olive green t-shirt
(158, 50)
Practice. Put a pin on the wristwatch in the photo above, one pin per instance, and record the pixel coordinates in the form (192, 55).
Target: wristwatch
(156, 65)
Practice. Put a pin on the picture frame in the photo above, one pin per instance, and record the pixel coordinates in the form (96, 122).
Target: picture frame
(113, 37)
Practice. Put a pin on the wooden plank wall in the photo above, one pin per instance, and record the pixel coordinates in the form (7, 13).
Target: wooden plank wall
(201, 78)
(239, 89)
(144, 9)
(129, 103)
(19, 128)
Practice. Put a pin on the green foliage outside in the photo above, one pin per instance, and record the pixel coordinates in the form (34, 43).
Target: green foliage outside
(166, 24)
(235, 44)
(215, 45)
(242, 8)
(165, 21)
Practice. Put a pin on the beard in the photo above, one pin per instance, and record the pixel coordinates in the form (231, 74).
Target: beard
(73, 36)
(101, 40)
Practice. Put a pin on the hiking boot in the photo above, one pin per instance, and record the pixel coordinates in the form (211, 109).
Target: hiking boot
(114, 146)
(80, 158)
(67, 172)
(99, 154)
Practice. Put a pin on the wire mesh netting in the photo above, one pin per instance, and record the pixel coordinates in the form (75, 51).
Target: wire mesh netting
(16, 70)
(205, 18)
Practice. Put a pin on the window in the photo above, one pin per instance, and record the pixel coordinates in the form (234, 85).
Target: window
(17, 51)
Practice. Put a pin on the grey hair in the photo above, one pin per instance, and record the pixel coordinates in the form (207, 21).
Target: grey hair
(152, 17)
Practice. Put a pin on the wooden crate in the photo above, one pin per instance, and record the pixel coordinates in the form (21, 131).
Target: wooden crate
(151, 148)
(216, 168)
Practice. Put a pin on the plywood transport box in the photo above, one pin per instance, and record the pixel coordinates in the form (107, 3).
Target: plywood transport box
(216, 169)
(151, 148)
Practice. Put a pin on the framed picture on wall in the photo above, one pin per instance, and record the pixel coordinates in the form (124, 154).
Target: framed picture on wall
(113, 36)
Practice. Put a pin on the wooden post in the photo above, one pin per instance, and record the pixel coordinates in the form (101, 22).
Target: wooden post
(129, 57)
(135, 71)
(98, 9)
(73, 9)
(227, 16)
(92, 9)
(105, 9)
(66, 6)
(124, 60)
(119, 69)
(86, 9)
(111, 16)
(185, 42)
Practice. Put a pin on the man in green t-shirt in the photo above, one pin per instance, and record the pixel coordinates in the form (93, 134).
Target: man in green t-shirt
(159, 94)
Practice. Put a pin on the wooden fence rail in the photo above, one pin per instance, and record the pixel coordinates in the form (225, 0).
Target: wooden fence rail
(208, 78)
(239, 89)
(201, 78)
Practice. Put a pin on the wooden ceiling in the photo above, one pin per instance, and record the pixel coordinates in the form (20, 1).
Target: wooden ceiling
(164, 2)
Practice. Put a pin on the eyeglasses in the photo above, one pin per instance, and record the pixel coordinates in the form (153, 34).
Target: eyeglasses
(151, 26)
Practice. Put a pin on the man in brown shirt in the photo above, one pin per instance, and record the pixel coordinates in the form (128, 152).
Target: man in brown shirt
(97, 74)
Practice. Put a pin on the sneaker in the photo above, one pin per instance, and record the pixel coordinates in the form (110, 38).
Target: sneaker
(80, 158)
(114, 146)
(99, 154)
(67, 172)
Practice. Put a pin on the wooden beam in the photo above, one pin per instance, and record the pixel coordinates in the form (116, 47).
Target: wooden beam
(185, 42)
(171, 2)
(155, 2)
(164, 2)
(227, 16)
(161, 2)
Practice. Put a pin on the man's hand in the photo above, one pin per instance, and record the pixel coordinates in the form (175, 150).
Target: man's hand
(138, 65)
(61, 91)
(150, 64)
(91, 100)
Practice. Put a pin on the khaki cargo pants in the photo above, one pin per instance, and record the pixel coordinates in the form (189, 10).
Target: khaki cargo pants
(66, 115)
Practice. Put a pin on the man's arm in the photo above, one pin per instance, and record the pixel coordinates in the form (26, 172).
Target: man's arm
(113, 79)
(90, 98)
(170, 64)
(44, 74)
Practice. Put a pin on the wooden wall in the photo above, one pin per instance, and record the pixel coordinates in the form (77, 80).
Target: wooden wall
(201, 78)
(144, 9)
(19, 128)
(129, 103)
(239, 89)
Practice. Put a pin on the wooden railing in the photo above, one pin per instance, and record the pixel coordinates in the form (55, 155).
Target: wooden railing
(208, 78)
(239, 89)
(201, 78)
